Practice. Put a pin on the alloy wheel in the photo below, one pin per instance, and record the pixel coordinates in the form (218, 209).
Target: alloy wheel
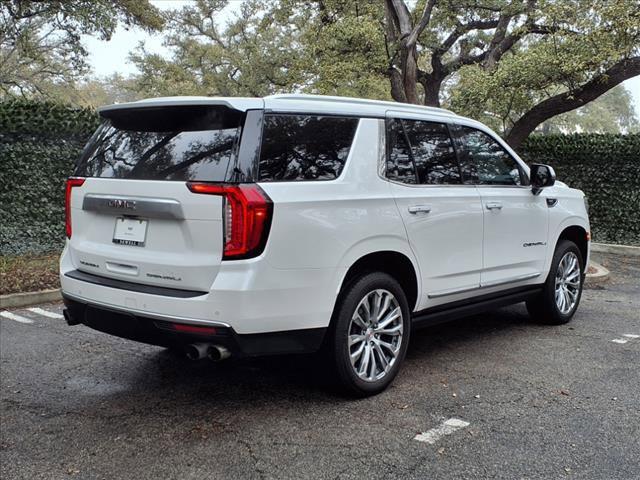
(567, 286)
(375, 335)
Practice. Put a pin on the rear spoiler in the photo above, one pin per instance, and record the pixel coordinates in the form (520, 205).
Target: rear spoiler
(234, 103)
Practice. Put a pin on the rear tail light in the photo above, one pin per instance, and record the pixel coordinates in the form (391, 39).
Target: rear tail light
(247, 212)
(71, 182)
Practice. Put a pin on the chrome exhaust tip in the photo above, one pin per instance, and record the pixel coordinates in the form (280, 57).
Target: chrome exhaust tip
(218, 353)
(197, 351)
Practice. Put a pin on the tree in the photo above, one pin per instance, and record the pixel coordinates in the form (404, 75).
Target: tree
(40, 46)
(613, 112)
(512, 63)
(532, 59)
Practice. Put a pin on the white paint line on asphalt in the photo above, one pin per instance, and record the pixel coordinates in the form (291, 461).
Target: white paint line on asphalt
(46, 313)
(631, 335)
(619, 340)
(445, 428)
(13, 316)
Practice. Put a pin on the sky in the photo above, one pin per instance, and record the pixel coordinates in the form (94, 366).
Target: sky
(112, 56)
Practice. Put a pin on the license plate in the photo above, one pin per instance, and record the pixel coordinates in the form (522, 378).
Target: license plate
(130, 231)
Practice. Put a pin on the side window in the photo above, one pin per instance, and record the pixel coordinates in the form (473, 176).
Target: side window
(484, 161)
(304, 147)
(433, 153)
(400, 167)
(421, 153)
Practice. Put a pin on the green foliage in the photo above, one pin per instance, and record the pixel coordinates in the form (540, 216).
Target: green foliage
(606, 168)
(40, 42)
(39, 144)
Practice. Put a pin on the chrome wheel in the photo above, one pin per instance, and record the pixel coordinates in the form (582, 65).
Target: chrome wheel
(375, 335)
(567, 283)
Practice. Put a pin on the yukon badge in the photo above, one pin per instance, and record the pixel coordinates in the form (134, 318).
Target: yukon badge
(122, 204)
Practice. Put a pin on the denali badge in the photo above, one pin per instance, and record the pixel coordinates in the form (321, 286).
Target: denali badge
(534, 244)
(122, 204)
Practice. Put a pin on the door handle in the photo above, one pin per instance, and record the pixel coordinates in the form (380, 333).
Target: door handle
(415, 209)
(494, 205)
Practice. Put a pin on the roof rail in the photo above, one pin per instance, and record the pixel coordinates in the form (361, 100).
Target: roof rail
(361, 101)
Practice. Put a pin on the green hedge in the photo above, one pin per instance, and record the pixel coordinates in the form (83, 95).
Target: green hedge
(39, 142)
(607, 168)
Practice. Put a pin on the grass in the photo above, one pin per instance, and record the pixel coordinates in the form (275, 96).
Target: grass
(29, 273)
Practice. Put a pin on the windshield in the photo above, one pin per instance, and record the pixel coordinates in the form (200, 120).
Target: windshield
(170, 143)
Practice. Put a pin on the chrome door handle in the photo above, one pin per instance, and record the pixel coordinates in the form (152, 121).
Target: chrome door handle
(414, 209)
(494, 206)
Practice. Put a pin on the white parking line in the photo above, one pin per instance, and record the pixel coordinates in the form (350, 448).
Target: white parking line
(631, 335)
(46, 313)
(619, 340)
(13, 316)
(445, 428)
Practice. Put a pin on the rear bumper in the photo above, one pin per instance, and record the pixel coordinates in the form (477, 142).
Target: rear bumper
(153, 331)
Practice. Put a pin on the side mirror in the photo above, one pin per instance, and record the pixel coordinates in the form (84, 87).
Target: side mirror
(542, 176)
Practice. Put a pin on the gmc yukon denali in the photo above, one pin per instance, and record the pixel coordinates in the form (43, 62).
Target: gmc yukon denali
(300, 223)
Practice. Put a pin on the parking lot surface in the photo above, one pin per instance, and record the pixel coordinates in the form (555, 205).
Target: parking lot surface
(493, 396)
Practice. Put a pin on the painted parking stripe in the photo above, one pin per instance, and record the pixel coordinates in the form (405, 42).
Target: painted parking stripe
(619, 340)
(46, 313)
(445, 428)
(13, 316)
(631, 335)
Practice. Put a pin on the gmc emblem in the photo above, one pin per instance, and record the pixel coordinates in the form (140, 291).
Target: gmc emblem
(122, 204)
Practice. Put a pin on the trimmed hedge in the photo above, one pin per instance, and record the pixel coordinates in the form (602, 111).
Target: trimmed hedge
(607, 169)
(40, 141)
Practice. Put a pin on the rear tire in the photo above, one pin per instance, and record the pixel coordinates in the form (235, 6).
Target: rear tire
(370, 333)
(562, 291)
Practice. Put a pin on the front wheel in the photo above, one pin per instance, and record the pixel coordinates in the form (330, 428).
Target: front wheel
(561, 293)
(371, 333)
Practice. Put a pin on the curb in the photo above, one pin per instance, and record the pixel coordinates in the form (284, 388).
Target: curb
(30, 298)
(600, 276)
(616, 249)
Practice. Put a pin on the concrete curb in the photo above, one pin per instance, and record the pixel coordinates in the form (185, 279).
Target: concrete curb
(600, 276)
(617, 249)
(14, 300)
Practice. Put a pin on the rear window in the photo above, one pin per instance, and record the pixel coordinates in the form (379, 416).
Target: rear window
(304, 147)
(168, 143)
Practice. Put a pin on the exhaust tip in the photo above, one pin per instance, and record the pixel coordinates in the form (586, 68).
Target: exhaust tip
(196, 351)
(218, 353)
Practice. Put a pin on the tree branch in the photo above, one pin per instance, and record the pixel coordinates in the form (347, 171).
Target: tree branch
(424, 21)
(567, 101)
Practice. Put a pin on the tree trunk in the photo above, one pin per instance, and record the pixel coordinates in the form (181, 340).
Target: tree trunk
(409, 74)
(567, 101)
(432, 86)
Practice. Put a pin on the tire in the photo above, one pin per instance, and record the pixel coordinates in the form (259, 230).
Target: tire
(548, 307)
(382, 347)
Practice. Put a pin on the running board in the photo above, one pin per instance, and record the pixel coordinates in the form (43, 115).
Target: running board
(472, 306)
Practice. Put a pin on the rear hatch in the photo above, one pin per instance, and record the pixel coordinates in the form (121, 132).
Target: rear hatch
(134, 217)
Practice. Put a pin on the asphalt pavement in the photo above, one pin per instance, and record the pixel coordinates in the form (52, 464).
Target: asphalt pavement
(492, 396)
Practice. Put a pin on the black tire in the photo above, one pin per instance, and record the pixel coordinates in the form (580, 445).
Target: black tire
(342, 327)
(543, 308)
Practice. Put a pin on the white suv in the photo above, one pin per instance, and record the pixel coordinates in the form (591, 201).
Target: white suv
(295, 223)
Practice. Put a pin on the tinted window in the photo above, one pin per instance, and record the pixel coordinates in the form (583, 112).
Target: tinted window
(400, 166)
(304, 147)
(483, 160)
(433, 152)
(170, 143)
(421, 152)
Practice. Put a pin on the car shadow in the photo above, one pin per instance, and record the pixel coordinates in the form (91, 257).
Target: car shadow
(301, 377)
